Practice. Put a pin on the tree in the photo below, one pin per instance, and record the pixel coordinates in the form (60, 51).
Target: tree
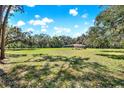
(5, 13)
(108, 30)
(112, 20)
(3, 29)
(13, 34)
(81, 39)
(65, 40)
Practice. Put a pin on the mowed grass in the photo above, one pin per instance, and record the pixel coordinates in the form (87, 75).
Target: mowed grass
(63, 67)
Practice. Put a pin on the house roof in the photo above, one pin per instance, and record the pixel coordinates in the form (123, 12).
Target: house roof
(75, 45)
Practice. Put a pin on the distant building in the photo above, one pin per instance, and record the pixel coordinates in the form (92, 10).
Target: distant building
(77, 46)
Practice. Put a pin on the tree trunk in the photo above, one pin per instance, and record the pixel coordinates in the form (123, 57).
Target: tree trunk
(1, 17)
(3, 43)
(3, 32)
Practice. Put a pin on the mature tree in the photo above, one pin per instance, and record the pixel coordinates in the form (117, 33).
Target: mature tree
(65, 40)
(112, 20)
(81, 39)
(5, 12)
(14, 34)
(3, 28)
(108, 30)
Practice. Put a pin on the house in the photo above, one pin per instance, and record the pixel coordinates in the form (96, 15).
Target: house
(76, 46)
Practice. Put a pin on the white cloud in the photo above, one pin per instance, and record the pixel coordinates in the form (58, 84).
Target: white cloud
(30, 30)
(37, 16)
(84, 15)
(31, 5)
(76, 26)
(31, 22)
(36, 22)
(93, 20)
(47, 20)
(73, 12)
(86, 23)
(42, 22)
(20, 23)
(43, 30)
(62, 30)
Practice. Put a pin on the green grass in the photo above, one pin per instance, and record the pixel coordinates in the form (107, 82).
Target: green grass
(63, 67)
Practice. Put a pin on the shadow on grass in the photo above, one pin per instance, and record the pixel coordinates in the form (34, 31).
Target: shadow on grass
(66, 75)
(112, 51)
(7, 80)
(48, 58)
(119, 57)
(20, 49)
(72, 59)
(16, 55)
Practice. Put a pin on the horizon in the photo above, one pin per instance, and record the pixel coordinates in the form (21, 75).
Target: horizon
(56, 20)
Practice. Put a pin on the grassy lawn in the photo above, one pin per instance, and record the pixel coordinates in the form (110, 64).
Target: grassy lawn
(63, 67)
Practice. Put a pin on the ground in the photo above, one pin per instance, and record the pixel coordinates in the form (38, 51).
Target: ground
(63, 67)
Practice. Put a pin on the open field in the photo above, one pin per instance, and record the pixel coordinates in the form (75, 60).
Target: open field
(63, 67)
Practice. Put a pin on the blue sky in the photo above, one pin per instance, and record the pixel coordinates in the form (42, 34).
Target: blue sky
(70, 20)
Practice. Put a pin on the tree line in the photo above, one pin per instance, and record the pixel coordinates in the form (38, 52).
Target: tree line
(19, 39)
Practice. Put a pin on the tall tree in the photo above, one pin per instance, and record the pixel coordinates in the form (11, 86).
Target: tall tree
(5, 13)
(3, 30)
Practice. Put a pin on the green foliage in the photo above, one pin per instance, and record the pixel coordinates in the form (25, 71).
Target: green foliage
(18, 39)
(108, 31)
